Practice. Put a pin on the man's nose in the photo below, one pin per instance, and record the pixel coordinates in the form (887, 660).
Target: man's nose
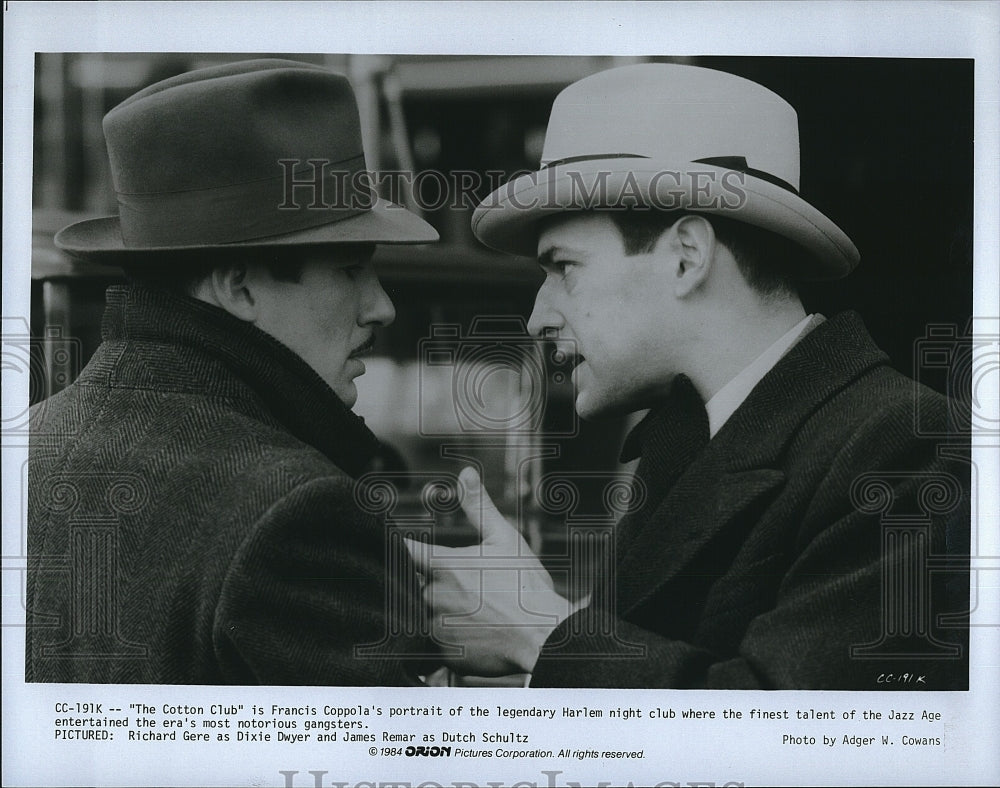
(544, 319)
(378, 308)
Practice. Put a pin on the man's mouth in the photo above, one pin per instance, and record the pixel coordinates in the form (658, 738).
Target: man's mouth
(363, 348)
(566, 353)
(573, 359)
(573, 362)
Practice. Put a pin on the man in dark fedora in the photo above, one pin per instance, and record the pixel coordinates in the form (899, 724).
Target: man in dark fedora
(784, 505)
(191, 516)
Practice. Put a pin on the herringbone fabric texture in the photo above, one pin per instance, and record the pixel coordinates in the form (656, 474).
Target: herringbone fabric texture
(191, 514)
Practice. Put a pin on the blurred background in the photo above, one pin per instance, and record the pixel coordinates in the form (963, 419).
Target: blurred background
(886, 153)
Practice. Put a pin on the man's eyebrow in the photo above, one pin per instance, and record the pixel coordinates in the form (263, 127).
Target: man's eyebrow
(546, 258)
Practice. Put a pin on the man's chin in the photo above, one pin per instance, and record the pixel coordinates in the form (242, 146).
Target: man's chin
(348, 393)
(591, 407)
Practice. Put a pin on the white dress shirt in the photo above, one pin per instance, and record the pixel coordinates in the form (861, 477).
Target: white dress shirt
(727, 399)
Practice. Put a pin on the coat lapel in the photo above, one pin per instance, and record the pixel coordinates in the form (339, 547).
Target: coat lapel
(704, 509)
(721, 494)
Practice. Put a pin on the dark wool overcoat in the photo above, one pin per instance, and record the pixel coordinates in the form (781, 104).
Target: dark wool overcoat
(815, 542)
(192, 515)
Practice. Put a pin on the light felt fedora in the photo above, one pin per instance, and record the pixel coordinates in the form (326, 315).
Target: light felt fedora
(669, 136)
(257, 153)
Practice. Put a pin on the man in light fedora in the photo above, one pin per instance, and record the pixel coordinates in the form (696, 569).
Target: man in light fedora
(191, 517)
(784, 506)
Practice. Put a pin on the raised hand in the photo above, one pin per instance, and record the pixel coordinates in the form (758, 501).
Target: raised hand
(494, 599)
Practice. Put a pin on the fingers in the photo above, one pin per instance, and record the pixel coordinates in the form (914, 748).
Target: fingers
(476, 502)
(498, 537)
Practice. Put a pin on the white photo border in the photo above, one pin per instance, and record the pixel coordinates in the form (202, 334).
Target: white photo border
(856, 29)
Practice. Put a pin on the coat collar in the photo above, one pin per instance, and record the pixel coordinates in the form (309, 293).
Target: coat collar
(737, 469)
(825, 361)
(207, 349)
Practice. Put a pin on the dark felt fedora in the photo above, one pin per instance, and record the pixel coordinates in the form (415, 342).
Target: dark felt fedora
(257, 153)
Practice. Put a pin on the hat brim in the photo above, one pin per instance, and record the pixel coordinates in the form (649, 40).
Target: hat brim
(384, 223)
(507, 219)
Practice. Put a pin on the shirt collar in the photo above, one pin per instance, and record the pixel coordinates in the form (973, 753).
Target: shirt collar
(727, 399)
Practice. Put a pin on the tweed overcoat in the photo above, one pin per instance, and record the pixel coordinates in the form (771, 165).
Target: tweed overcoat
(192, 514)
(814, 542)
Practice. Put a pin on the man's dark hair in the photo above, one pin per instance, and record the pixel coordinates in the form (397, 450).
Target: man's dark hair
(764, 258)
(180, 272)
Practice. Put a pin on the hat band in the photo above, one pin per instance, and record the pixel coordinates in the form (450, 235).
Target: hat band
(736, 163)
(592, 157)
(296, 200)
(739, 164)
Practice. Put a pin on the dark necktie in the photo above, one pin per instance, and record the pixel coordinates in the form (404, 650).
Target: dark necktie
(666, 441)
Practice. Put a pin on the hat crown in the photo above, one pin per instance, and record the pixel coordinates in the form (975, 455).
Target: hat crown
(230, 124)
(247, 154)
(674, 114)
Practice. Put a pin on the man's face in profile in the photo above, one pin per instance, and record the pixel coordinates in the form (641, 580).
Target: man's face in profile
(328, 317)
(615, 307)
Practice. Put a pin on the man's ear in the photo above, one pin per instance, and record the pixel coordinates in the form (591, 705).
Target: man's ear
(692, 244)
(230, 288)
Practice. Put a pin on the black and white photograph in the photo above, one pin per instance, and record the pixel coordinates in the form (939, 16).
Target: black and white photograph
(467, 414)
